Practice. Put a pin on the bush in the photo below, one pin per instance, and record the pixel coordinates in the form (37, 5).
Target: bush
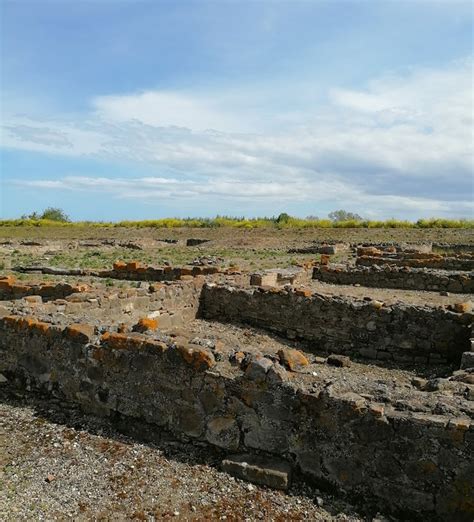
(283, 221)
(49, 214)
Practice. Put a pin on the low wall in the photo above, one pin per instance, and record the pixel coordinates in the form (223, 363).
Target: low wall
(131, 271)
(410, 463)
(403, 333)
(420, 260)
(171, 304)
(397, 277)
(10, 288)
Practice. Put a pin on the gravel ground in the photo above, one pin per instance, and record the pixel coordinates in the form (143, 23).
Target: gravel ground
(57, 464)
(390, 295)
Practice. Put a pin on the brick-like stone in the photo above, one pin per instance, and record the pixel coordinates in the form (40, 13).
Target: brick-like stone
(292, 359)
(273, 473)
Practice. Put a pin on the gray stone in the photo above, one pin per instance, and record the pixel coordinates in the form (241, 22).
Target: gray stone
(223, 432)
(339, 360)
(467, 360)
(264, 471)
(258, 368)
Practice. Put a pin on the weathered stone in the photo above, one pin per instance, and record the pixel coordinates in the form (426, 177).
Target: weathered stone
(339, 360)
(467, 360)
(145, 324)
(292, 359)
(266, 472)
(257, 368)
(277, 374)
(223, 432)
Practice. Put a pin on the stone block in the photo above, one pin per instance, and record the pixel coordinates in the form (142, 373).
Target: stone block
(223, 432)
(82, 333)
(257, 368)
(467, 360)
(132, 266)
(273, 472)
(145, 324)
(339, 360)
(292, 359)
(199, 358)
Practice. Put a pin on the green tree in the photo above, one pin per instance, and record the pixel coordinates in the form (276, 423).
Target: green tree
(343, 215)
(283, 218)
(55, 214)
(51, 213)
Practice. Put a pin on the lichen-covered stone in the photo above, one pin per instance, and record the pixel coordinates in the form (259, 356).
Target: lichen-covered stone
(292, 359)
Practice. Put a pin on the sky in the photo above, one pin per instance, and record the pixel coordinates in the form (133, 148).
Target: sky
(136, 109)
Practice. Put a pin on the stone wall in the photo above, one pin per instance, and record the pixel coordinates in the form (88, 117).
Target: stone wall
(403, 333)
(132, 271)
(418, 260)
(10, 288)
(397, 277)
(170, 304)
(413, 464)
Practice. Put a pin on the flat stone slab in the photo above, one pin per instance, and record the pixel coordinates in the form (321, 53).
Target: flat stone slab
(259, 470)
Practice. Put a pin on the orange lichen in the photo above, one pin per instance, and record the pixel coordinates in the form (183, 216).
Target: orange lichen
(199, 358)
(132, 266)
(118, 341)
(145, 324)
(119, 266)
(292, 359)
(80, 332)
(304, 292)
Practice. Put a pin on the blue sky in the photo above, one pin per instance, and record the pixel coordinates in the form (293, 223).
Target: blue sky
(115, 109)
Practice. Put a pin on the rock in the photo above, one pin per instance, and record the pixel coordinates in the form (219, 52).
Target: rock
(377, 410)
(467, 360)
(339, 360)
(260, 470)
(377, 305)
(50, 478)
(371, 326)
(419, 383)
(292, 359)
(145, 324)
(237, 358)
(258, 368)
(319, 360)
(277, 374)
(462, 308)
(223, 432)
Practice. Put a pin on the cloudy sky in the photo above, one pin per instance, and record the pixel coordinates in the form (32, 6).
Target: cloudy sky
(116, 109)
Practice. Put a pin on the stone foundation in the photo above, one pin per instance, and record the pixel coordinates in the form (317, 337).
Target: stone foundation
(397, 277)
(412, 464)
(341, 325)
(463, 262)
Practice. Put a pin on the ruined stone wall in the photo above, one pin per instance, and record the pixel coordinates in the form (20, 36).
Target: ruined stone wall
(410, 463)
(10, 288)
(343, 325)
(397, 277)
(171, 304)
(419, 260)
(135, 271)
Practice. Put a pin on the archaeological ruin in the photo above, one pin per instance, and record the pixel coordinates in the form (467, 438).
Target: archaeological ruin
(367, 397)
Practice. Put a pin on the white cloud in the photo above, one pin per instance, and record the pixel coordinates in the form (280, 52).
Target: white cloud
(162, 109)
(403, 145)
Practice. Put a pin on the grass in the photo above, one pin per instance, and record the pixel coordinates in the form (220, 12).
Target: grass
(176, 256)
